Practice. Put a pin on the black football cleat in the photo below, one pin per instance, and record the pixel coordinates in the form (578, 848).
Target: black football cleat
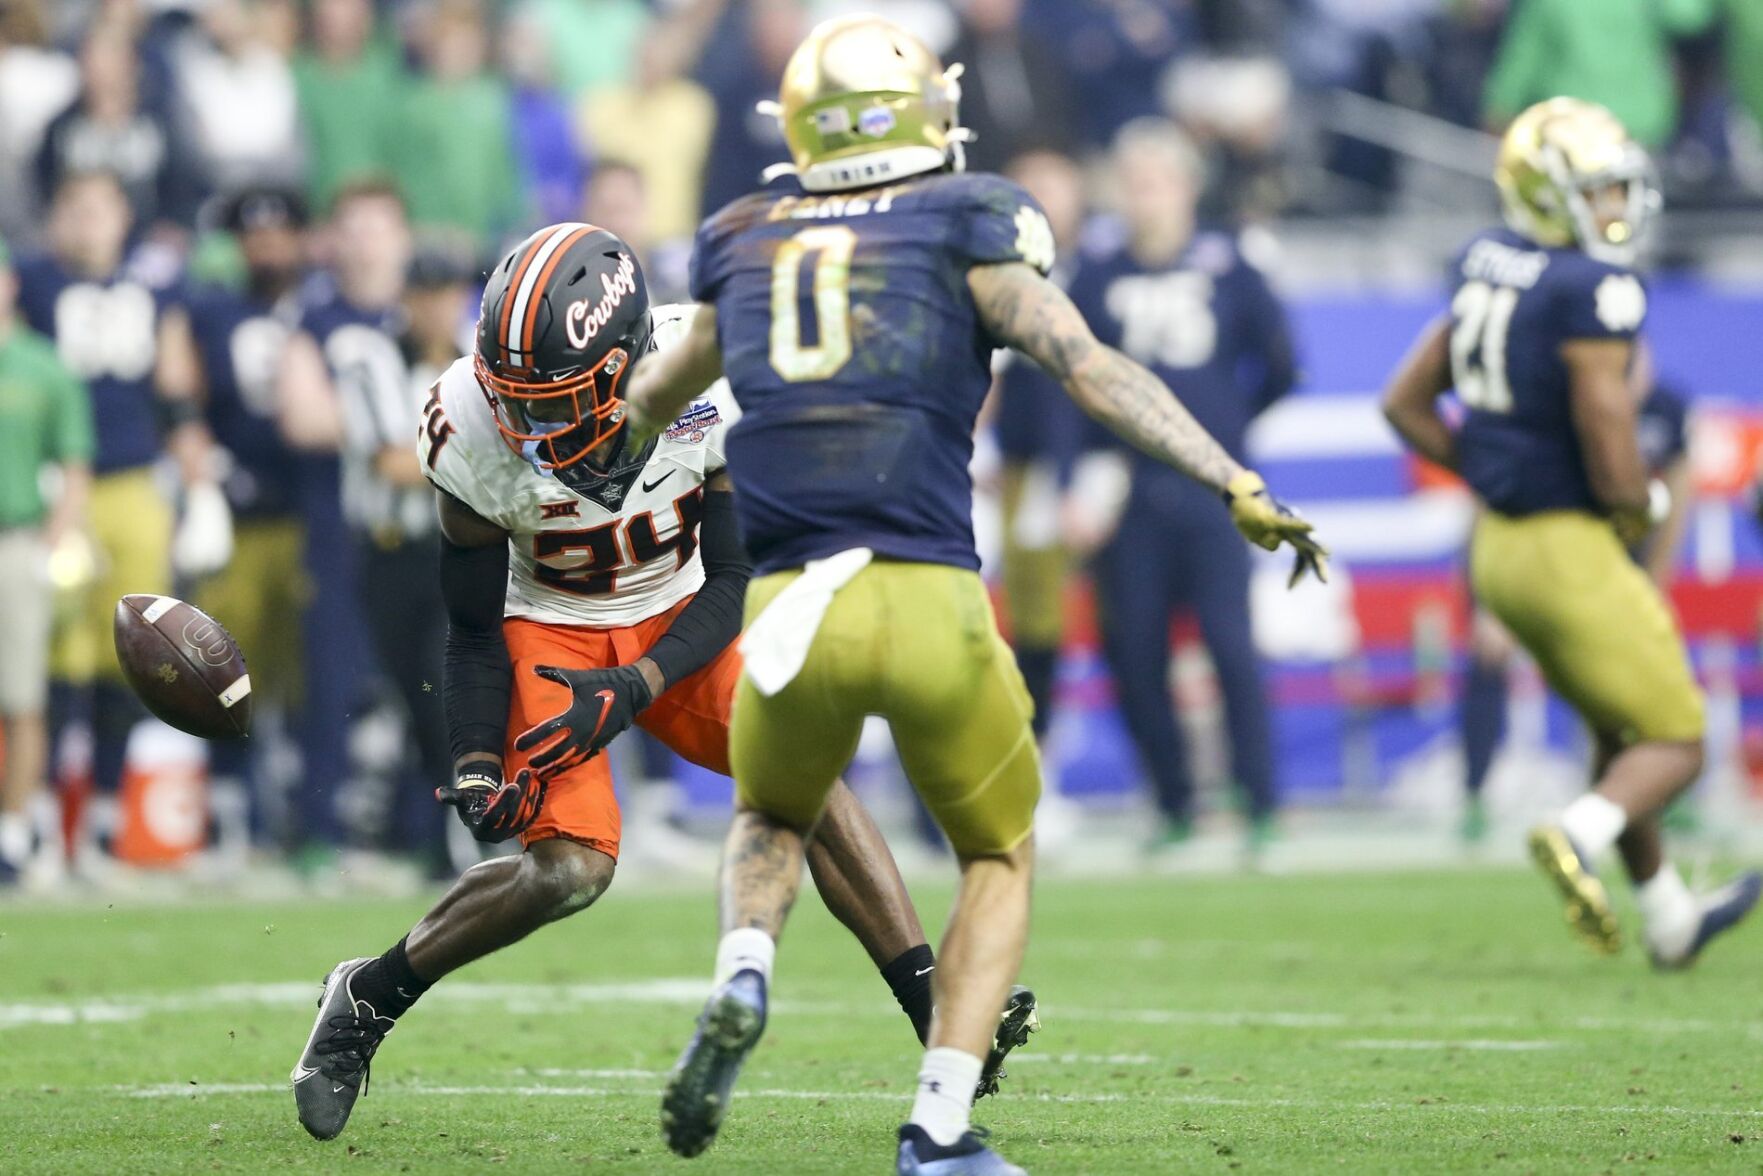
(332, 1072)
(698, 1090)
(1021, 1017)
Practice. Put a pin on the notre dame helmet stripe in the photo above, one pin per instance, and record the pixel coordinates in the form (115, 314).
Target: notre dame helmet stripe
(535, 270)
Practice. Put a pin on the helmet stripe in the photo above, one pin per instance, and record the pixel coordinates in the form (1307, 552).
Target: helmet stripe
(514, 308)
(508, 294)
(530, 322)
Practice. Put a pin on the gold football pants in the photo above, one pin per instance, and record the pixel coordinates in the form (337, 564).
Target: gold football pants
(916, 644)
(1599, 629)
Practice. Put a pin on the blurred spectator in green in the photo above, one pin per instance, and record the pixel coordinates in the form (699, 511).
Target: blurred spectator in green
(237, 111)
(551, 166)
(45, 420)
(660, 123)
(350, 86)
(451, 149)
(1744, 54)
(36, 83)
(593, 43)
(1615, 52)
(107, 128)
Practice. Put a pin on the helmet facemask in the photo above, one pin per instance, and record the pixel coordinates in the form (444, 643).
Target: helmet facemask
(1570, 174)
(557, 423)
(1588, 199)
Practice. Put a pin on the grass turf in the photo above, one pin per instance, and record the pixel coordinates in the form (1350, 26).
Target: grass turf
(1392, 1023)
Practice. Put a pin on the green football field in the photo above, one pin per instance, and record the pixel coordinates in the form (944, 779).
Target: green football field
(1366, 1023)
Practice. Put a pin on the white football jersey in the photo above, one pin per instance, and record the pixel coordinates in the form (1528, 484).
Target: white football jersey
(622, 552)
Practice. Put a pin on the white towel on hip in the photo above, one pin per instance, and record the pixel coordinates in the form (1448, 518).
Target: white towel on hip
(776, 644)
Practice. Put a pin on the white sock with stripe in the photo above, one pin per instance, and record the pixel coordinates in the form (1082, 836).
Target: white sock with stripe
(743, 949)
(1669, 912)
(1593, 824)
(947, 1079)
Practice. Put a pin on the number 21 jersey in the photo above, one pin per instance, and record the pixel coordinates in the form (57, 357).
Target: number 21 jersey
(852, 342)
(1514, 304)
(624, 550)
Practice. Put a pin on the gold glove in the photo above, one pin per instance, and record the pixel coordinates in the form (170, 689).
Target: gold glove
(1267, 523)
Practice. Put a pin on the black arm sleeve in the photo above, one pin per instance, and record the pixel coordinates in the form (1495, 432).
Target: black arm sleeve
(706, 626)
(474, 581)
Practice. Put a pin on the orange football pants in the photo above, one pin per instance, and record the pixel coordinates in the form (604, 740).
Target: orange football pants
(690, 717)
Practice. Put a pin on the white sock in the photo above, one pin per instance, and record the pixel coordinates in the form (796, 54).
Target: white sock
(1593, 824)
(1668, 910)
(15, 838)
(742, 949)
(947, 1079)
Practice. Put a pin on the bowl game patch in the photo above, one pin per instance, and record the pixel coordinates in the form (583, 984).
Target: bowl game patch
(694, 423)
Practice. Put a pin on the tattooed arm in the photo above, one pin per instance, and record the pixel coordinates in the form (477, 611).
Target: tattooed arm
(1030, 313)
(1033, 315)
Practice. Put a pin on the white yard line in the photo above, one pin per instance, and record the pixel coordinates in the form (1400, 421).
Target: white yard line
(1080, 1059)
(1424, 1106)
(687, 992)
(1406, 1043)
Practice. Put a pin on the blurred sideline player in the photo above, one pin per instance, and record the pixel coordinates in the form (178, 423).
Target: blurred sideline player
(240, 338)
(45, 421)
(345, 335)
(128, 338)
(1040, 433)
(401, 592)
(855, 308)
(1189, 306)
(1662, 424)
(591, 584)
(1538, 345)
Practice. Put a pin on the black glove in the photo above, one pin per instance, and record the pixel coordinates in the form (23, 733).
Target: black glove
(606, 702)
(492, 810)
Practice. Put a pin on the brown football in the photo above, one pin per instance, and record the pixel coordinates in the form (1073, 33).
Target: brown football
(184, 666)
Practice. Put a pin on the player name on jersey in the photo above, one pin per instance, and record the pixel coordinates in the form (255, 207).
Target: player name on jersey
(616, 551)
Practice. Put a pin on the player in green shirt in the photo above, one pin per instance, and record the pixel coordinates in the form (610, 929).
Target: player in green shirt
(45, 419)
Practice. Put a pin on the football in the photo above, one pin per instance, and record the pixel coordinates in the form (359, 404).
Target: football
(183, 665)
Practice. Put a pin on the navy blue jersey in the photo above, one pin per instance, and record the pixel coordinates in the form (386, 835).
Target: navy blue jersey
(853, 346)
(1514, 304)
(240, 340)
(1208, 326)
(107, 333)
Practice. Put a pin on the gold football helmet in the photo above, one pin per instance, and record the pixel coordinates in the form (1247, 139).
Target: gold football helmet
(864, 102)
(1562, 165)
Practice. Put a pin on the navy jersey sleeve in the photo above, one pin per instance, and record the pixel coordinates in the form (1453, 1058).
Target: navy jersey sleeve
(709, 265)
(1597, 301)
(703, 276)
(997, 221)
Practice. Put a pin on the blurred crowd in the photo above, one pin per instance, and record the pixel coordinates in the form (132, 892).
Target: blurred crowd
(242, 238)
(491, 116)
